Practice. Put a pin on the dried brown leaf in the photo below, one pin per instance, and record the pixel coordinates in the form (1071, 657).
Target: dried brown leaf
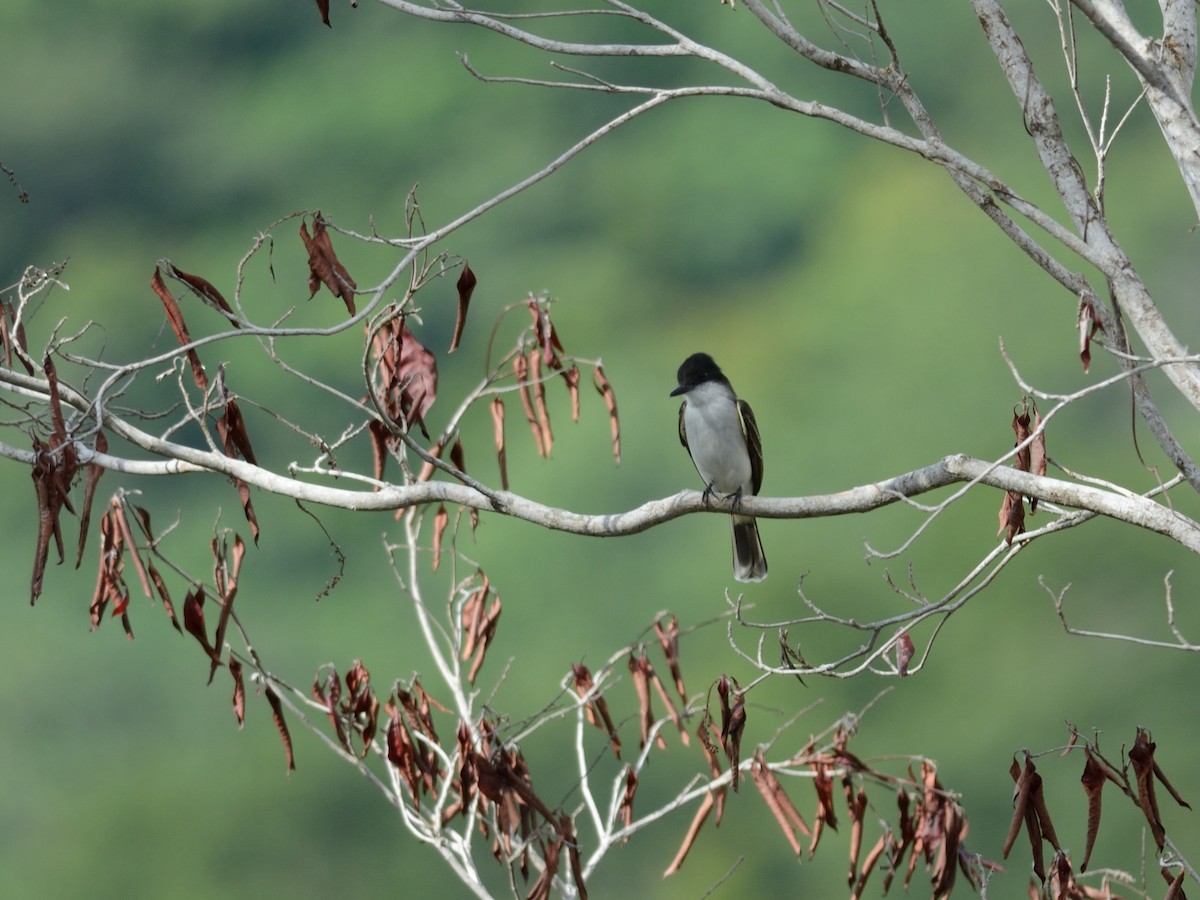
(733, 723)
(521, 371)
(1093, 780)
(596, 708)
(668, 639)
(1088, 323)
(625, 808)
(440, 520)
(1141, 756)
(600, 380)
(239, 690)
(91, 479)
(323, 265)
(193, 620)
(639, 669)
(498, 436)
(281, 725)
(905, 650)
(202, 288)
(693, 832)
(175, 318)
(790, 822)
(466, 287)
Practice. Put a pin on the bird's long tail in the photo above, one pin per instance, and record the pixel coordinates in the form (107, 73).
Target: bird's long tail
(749, 562)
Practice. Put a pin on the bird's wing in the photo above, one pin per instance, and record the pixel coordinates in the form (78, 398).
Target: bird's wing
(682, 429)
(753, 443)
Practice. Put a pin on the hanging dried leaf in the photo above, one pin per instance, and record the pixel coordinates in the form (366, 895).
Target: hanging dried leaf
(693, 832)
(323, 265)
(596, 708)
(521, 370)
(571, 377)
(610, 401)
(537, 386)
(668, 639)
(1088, 323)
(226, 568)
(479, 622)
(1020, 427)
(91, 479)
(790, 822)
(498, 436)
(440, 520)
(175, 318)
(239, 690)
(407, 374)
(905, 650)
(202, 288)
(1093, 780)
(625, 808)
(641, 684)
(381, 437)
(1012, 516)
(281, 725)
(466, 287)
(733, 723)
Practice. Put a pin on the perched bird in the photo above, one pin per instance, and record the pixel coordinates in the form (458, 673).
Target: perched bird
(719, 432)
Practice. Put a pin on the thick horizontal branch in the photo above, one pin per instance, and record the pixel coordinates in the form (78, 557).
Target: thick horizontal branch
(1133, 509)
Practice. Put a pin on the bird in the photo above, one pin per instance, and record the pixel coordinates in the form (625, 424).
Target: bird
(719, 433)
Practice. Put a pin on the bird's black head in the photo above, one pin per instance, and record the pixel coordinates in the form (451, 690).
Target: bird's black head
(695, 371)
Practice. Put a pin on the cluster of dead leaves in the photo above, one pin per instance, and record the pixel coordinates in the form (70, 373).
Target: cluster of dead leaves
(497, 779)
(1031, 813)
(405, 384)
(1030, 458)
(55, 465)
(231, 427)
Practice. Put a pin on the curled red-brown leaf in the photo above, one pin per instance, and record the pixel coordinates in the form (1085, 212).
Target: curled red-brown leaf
(91, 479)
(498, 436)
(239, 690)
(179, 327)
(407, 374)
(537, 385)
(904, 653)
(323, 265)
(227, 566)
(440, 520)
(640, 669)
(790, 822)
(1012, 516)
(610, 401)
(693, 832)
(625, 809)
(733, 723)
(466, 287)
(596, 708)
(202, 288)
(1088, 323)
(479, 625)
(281, 724)
(1093, 779)
(193, 621)
(1037, 453)
(667, 631)
(521, 370)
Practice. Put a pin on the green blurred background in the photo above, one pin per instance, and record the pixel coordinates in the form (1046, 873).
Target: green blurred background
(853, 296)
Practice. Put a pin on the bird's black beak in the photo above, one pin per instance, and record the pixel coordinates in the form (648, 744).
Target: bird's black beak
(678, 390)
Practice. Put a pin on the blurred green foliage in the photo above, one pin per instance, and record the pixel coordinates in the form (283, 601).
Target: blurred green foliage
(853, 296)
